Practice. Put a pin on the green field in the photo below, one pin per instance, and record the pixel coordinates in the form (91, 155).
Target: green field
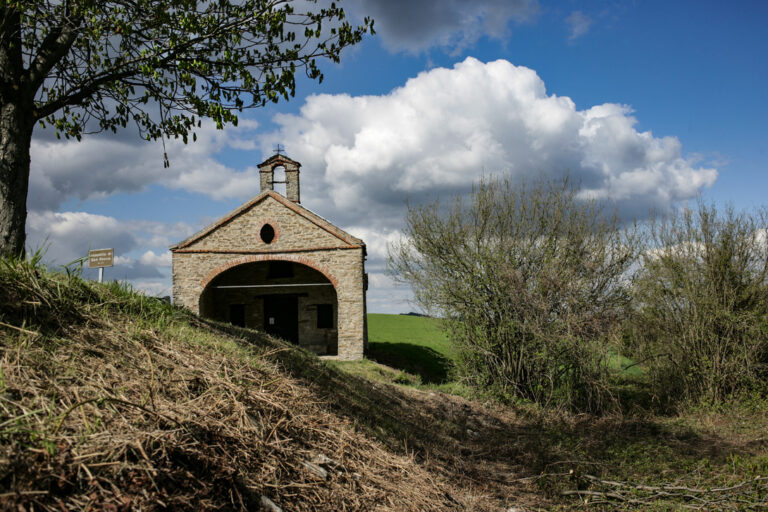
(413, 344)
(416, 345)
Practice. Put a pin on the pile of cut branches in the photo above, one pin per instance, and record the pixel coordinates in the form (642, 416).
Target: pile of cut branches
(603, 493)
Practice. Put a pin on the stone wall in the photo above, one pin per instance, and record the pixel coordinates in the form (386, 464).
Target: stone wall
(300, 238)
(267, 172)
(192, 272)
(293, 232)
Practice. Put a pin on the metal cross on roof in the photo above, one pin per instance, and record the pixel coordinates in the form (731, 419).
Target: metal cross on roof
(279, 148)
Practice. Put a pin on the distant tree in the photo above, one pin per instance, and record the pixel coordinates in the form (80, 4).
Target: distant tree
(92, 65)
(700, 321)
(529, 280)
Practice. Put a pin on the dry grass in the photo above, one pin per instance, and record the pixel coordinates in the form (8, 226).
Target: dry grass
(113, 401)
(110, 401)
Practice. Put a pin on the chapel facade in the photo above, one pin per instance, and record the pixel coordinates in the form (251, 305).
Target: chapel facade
(273, 265)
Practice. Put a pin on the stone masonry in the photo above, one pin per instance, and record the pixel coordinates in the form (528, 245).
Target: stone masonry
(267, 176)
(301, 237)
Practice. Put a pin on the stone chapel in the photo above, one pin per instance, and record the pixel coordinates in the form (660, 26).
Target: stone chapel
(275, 266)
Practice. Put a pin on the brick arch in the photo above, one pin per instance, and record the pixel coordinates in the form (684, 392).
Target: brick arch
(267, 257)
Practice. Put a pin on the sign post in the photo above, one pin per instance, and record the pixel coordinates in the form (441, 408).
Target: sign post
(101, 258)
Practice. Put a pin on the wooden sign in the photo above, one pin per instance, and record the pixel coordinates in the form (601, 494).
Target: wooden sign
(101, 258)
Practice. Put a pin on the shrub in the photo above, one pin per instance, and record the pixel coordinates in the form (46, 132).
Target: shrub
(701, 304)
(529, 281)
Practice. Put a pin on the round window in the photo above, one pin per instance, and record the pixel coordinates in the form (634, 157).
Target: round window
(267, 233)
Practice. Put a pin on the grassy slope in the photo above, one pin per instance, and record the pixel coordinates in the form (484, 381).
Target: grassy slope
(109, 398)
(112, 401)
(416, 330)
(413, 344)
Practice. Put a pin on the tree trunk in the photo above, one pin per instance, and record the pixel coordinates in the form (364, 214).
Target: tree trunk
(16, 124)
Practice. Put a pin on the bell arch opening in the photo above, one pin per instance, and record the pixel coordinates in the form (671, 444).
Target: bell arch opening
(279, 180)
(283, 298)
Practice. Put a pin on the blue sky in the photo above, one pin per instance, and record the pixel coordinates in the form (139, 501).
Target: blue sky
(646, 103)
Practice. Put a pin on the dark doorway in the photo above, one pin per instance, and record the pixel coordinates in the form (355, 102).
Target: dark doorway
(281, 316)
(325, 316)
(237, 314)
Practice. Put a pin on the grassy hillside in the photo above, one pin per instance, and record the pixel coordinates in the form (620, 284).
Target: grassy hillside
(411, 343)
(417, 330)
(112, 401)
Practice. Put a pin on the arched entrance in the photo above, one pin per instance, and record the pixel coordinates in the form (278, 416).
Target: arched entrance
(284, 298)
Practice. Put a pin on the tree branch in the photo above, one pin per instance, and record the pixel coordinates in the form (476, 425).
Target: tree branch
(82, 93)
(53, 48)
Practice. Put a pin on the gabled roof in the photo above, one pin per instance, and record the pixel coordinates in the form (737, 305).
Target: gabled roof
(295, 207)
(279, 159)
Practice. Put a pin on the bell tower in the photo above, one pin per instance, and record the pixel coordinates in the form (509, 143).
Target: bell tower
(267, 175)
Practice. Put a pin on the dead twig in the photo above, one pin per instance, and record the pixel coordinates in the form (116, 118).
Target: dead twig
(691, 497)
(111, 400)
(25, 331)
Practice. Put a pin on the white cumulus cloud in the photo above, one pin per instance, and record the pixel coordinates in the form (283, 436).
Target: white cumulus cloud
(438, 134)
(377, 241)
(364, 156)
(70, 235)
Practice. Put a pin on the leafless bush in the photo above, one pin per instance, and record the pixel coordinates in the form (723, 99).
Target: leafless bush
(701, 304)
(529, 280)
